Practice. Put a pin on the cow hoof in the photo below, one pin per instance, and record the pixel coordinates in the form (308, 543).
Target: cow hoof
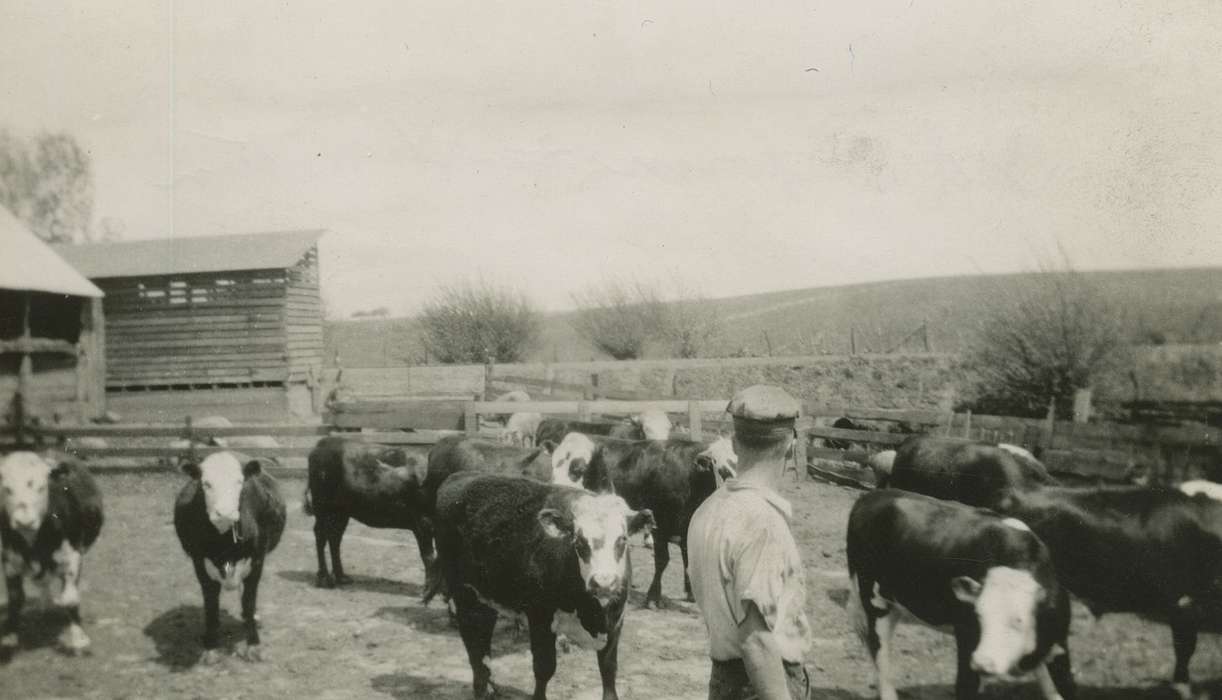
(252, 653)
(1183, 690)
(562, 643)
(75, 641)
(324, 581)
(210, 657)
(342, 580)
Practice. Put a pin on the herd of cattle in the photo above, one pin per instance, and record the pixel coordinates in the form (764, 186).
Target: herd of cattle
(976, 538)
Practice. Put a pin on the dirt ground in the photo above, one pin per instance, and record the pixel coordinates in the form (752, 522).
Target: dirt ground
(142, 607)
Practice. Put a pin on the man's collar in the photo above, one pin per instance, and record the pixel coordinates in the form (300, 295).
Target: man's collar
(774, 499)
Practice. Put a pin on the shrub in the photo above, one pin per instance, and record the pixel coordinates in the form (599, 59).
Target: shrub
(472, 323)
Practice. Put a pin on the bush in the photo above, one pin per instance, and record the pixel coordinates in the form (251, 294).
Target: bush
(476, 322)
(690, 325)
(1053, 339)
(618, 317)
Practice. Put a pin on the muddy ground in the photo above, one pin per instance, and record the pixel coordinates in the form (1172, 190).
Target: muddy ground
(374, 639)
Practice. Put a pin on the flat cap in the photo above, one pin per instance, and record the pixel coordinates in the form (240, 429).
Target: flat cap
(764, 402)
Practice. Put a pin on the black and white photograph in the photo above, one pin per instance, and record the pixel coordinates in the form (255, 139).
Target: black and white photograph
(591, 350)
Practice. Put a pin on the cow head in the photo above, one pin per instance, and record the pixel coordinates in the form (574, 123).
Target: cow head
(221, 477)
(654, 424)
(24, 485)
(571, 459)
(1007, 605)
(598, 526)
(719, 459)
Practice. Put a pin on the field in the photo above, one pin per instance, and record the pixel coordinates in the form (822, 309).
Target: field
(375, 640)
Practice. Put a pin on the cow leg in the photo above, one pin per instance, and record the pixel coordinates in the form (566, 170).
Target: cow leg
(322, 525)
(1184, 639)
(542, 650)
(212, 612)
(1056, 679)
(967, 680)
(338, 525)
(424, 543)
(661, 557)
(250, 599)
(68, 566)
(879, 643)
(476, 622)
(14, 580)
(687, 581)
(608, 660)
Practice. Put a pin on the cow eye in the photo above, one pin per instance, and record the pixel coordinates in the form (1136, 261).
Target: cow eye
(207, 485)
(583, 547)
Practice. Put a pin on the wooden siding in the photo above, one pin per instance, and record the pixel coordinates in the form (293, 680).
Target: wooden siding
(218, 328)
(63, 381)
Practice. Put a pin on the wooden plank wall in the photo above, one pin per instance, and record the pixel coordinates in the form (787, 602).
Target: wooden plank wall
(303, 318)
(209, 328)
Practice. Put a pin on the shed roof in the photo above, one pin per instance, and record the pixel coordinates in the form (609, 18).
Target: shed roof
(28, 264)
(168, 256)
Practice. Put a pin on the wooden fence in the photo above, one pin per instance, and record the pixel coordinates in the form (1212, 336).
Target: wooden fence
(1092, 450)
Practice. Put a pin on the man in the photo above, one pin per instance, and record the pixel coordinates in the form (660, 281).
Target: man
(746, 572)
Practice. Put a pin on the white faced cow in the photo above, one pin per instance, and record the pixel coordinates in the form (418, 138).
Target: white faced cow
(229, 517)
(50, 514)
(941, 563)
(559, 555)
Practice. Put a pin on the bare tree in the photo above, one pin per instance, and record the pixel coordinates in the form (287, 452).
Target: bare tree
(690, 324)
(48, 184)
(619, 317)
(477, 321)
(1047, 343)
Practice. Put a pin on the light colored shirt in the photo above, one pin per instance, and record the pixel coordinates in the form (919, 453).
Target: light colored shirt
(740, 549)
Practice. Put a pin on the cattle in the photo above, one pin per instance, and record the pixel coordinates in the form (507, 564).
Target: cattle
(229, 516)
(968, 472)
(556, 554)
(1209, 488)
(376, 485)
(520, 429)
(671, 478)
(50, 515)
(554, 429)
(1153, 552)
(989, 578)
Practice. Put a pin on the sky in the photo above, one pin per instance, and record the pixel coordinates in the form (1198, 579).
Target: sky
(716, 147)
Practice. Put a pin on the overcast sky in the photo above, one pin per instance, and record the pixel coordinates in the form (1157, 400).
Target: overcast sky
(728, 147)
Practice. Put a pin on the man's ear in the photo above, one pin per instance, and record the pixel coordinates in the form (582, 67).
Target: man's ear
(191, 468)
(555, 524)
(640, 520)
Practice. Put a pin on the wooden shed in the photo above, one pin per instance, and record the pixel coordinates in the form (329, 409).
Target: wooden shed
(238, 316)
(51, 360)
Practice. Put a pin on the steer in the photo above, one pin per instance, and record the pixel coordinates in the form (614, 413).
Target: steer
(671, 478)
(968, 472)
(50, 515)
(1154, 552)
(554, 429)
(229, 517)
(557, 554)
(945, 564)
(378, 486)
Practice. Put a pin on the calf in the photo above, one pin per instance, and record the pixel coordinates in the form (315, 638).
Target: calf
(968, 472)
(229, 517)
(1154, 552)
(945, 564)
(557, 554)
(521, 428)
(671, 478)
(376, 485)
(50, 515)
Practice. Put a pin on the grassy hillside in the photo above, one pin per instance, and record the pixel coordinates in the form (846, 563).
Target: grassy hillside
(1179, 305)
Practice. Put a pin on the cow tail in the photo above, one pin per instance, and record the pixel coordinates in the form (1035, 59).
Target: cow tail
(433, 582)
(307, 506)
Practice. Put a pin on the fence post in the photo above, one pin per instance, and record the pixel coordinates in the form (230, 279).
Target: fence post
(852, 340)
(1050, 423)
(189, 434)
(967, 425)
(470, 420)
(583, 410)
(594, 393)
(694, 419)
(1081, 406)
(802, 439)
(549, 376)
(487, 377)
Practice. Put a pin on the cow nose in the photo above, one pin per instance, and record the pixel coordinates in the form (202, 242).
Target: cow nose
(987, 665)
(603, 584)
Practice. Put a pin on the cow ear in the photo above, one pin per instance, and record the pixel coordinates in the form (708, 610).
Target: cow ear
(555, 524)
(58, 464)
(254, 466)
(965, 588)
(704, 462)
(190, 468)
(641, 520)
(549, 446)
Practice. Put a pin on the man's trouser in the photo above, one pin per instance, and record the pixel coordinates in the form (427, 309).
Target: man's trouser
(729, 681)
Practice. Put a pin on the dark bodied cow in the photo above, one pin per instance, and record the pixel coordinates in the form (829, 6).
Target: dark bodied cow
(1153, 552)
(376, 485)
(556, 554)
(968, 472)
(50, 515)
(554, 429)
(671, 478)
(945, 564)
(229, 517)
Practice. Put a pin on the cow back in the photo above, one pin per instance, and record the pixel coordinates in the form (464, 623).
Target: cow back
(74, 502)
(971, 473)
(660, 475)
(262, 512)
(456, 453)
(555, 429)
